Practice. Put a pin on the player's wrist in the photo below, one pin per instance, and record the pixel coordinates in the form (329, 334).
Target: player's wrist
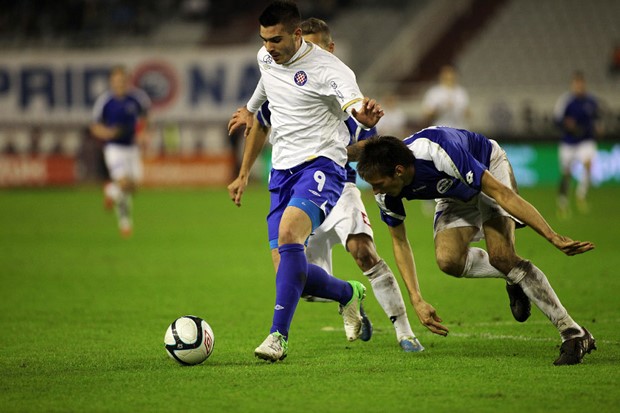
(416, 299)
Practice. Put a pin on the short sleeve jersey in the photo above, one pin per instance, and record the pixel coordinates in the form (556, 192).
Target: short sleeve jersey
(122, 112)
(308, 97)
(449, 163)
(584, 110)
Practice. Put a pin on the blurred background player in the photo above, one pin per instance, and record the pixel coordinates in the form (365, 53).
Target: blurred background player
(577, 114)
(395, 121)
(446, 103)
(348, 222)
(120, 120)
(473, 181)
(310, 93)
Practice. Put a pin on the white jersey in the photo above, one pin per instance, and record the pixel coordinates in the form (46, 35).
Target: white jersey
(309, 98)
(449, 104)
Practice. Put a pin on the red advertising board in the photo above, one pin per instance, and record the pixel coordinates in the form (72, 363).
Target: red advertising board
(27, 170)
(197, 170)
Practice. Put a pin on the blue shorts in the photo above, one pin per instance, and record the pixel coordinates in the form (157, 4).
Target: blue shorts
(313, 186)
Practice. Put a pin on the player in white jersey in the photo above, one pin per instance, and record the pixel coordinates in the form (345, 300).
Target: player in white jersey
(348, 222)
(447, 103)
(310, 93)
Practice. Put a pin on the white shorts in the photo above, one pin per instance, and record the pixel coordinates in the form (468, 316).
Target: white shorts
(453, 213)
(581, 153)
(348, 217)
(123, 162)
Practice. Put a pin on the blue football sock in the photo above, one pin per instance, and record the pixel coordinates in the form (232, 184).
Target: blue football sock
(290, 281)
(321, 284)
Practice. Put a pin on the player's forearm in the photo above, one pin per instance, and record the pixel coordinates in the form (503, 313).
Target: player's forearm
(253, 146)
(406, 266)
(516, 206)
(527, 213)
(103, 132)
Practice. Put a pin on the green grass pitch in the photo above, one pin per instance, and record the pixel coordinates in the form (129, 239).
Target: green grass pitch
(83, 315)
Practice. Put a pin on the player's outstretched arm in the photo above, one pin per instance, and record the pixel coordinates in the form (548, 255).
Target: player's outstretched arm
(515, 205)
(369, 113)
(253, 146)
(406, 265)
(241, 118)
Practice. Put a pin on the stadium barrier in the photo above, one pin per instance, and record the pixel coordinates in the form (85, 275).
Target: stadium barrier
(202, 154)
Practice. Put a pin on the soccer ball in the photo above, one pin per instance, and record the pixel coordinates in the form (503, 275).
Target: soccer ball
(189, 340)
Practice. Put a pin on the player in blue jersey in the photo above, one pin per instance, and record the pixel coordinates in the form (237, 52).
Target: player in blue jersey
(472, 181)
(577, 114)
(348, 222)
(310, 93)
(118, 115)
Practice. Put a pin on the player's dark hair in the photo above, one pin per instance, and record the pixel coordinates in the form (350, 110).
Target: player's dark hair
(281, 12)
(381, 155)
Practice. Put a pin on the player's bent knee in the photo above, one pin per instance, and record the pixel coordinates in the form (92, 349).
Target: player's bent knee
(363, 250)
(450, 266)
(365, 258)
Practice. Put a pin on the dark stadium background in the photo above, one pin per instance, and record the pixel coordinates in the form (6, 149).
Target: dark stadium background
(196, 60)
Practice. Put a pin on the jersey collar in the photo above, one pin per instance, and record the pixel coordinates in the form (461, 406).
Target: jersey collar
(303, 51)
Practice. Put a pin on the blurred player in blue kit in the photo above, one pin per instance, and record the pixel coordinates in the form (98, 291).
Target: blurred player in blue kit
(310, 93)
(577, 114)
(120, 120)
(473, 183)
(348, 223)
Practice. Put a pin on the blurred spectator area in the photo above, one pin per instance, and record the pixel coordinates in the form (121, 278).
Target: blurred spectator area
(525, 56)
(104, 23)
(515, 57)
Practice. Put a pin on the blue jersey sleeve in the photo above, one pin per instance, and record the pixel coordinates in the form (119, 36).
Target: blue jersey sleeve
(392, 209)
(264, 115)
(356, 132)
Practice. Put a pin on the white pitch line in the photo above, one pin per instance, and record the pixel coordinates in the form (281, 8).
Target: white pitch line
(488, 336)
(518, 338)
(501, 337)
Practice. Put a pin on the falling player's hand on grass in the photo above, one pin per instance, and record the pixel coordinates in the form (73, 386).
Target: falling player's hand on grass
(369, 114)
(429, 318)
(571, 247)
(242, 117)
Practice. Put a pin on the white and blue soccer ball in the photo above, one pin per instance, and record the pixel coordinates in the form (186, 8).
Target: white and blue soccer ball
(189, 340)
